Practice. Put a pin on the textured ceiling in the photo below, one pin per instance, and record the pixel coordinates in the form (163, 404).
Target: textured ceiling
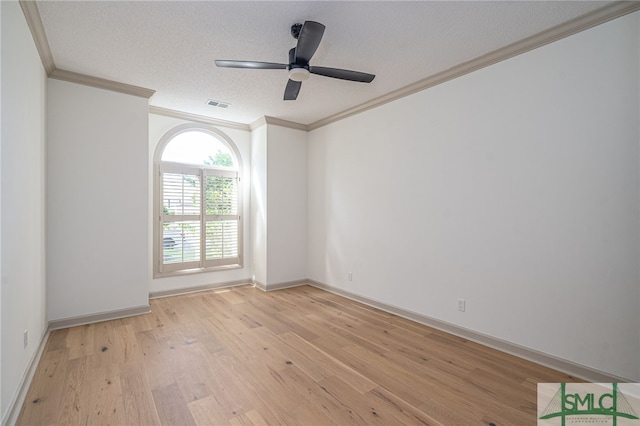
(169, 46)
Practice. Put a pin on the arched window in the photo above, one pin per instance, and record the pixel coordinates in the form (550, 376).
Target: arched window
(198, 202)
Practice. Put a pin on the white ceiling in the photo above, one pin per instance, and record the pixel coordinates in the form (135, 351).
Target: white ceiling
(170, 47)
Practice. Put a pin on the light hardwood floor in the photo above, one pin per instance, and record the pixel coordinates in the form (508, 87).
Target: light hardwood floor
(300, 356)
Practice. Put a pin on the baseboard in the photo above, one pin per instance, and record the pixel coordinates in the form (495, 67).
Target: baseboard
(196, 289)
(15, 405)
(259, 285)
(279, 286)
(102, 316)
(577, 370)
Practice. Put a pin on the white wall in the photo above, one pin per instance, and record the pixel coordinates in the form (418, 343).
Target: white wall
(279, 204)
(97, 201)
(22, 200)
(159, 125)
(1, 280)
(259, 204)
(286, 205)
(515, 187)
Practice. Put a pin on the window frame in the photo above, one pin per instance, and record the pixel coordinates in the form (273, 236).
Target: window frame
(159, 269)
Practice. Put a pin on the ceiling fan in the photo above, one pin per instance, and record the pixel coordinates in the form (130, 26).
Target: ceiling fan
(309, 36)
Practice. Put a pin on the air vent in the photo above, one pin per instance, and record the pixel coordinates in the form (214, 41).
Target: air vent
(217, 104)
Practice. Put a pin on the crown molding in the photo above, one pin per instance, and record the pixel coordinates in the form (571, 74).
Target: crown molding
(581, 23)
(101, 83)
(198, 118)
(32, 16)
(277, 122)
(258, 123)
(285, 123)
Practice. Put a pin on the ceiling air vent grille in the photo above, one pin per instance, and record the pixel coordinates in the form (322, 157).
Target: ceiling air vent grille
(217, 104)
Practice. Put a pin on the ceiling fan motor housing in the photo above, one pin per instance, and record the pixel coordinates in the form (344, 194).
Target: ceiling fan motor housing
(297, 71)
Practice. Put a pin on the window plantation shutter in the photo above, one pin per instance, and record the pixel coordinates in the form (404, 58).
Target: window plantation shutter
(181, 218)
(221, 218)
(200, 219)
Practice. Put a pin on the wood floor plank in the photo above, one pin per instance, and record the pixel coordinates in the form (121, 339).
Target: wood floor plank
(172, 408)
(104, 403)
(187, 364)
(230, 296)
(73, 396)
(338, 328)
(57, 340)
(407, 385)
(302, 356)
(42, 402)
(449, 414)
(334, 410)
(353, 402)
(156, 360)
(228, 385)
(263, 316)
(80, 341)
(139, 405)
(320, 365)
(287, 318)
(405, 413)
(207, 411)
(256, 418)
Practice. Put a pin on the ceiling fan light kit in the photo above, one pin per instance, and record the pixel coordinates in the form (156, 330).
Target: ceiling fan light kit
(309, 36)
(299, 74)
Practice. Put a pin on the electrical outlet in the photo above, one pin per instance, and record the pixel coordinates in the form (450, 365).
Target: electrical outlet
(26, 338)
(461, 305)
(350, 276)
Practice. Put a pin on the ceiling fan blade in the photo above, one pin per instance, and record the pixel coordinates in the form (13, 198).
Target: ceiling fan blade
(292, 90)
(308, 41)
(361, 77)
(250, 64)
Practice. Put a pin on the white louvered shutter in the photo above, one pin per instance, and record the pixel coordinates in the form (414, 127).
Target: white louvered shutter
(197, 234)
(181, 218)
(222, 218)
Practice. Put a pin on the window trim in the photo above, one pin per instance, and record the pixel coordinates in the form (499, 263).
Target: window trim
(157, 199)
